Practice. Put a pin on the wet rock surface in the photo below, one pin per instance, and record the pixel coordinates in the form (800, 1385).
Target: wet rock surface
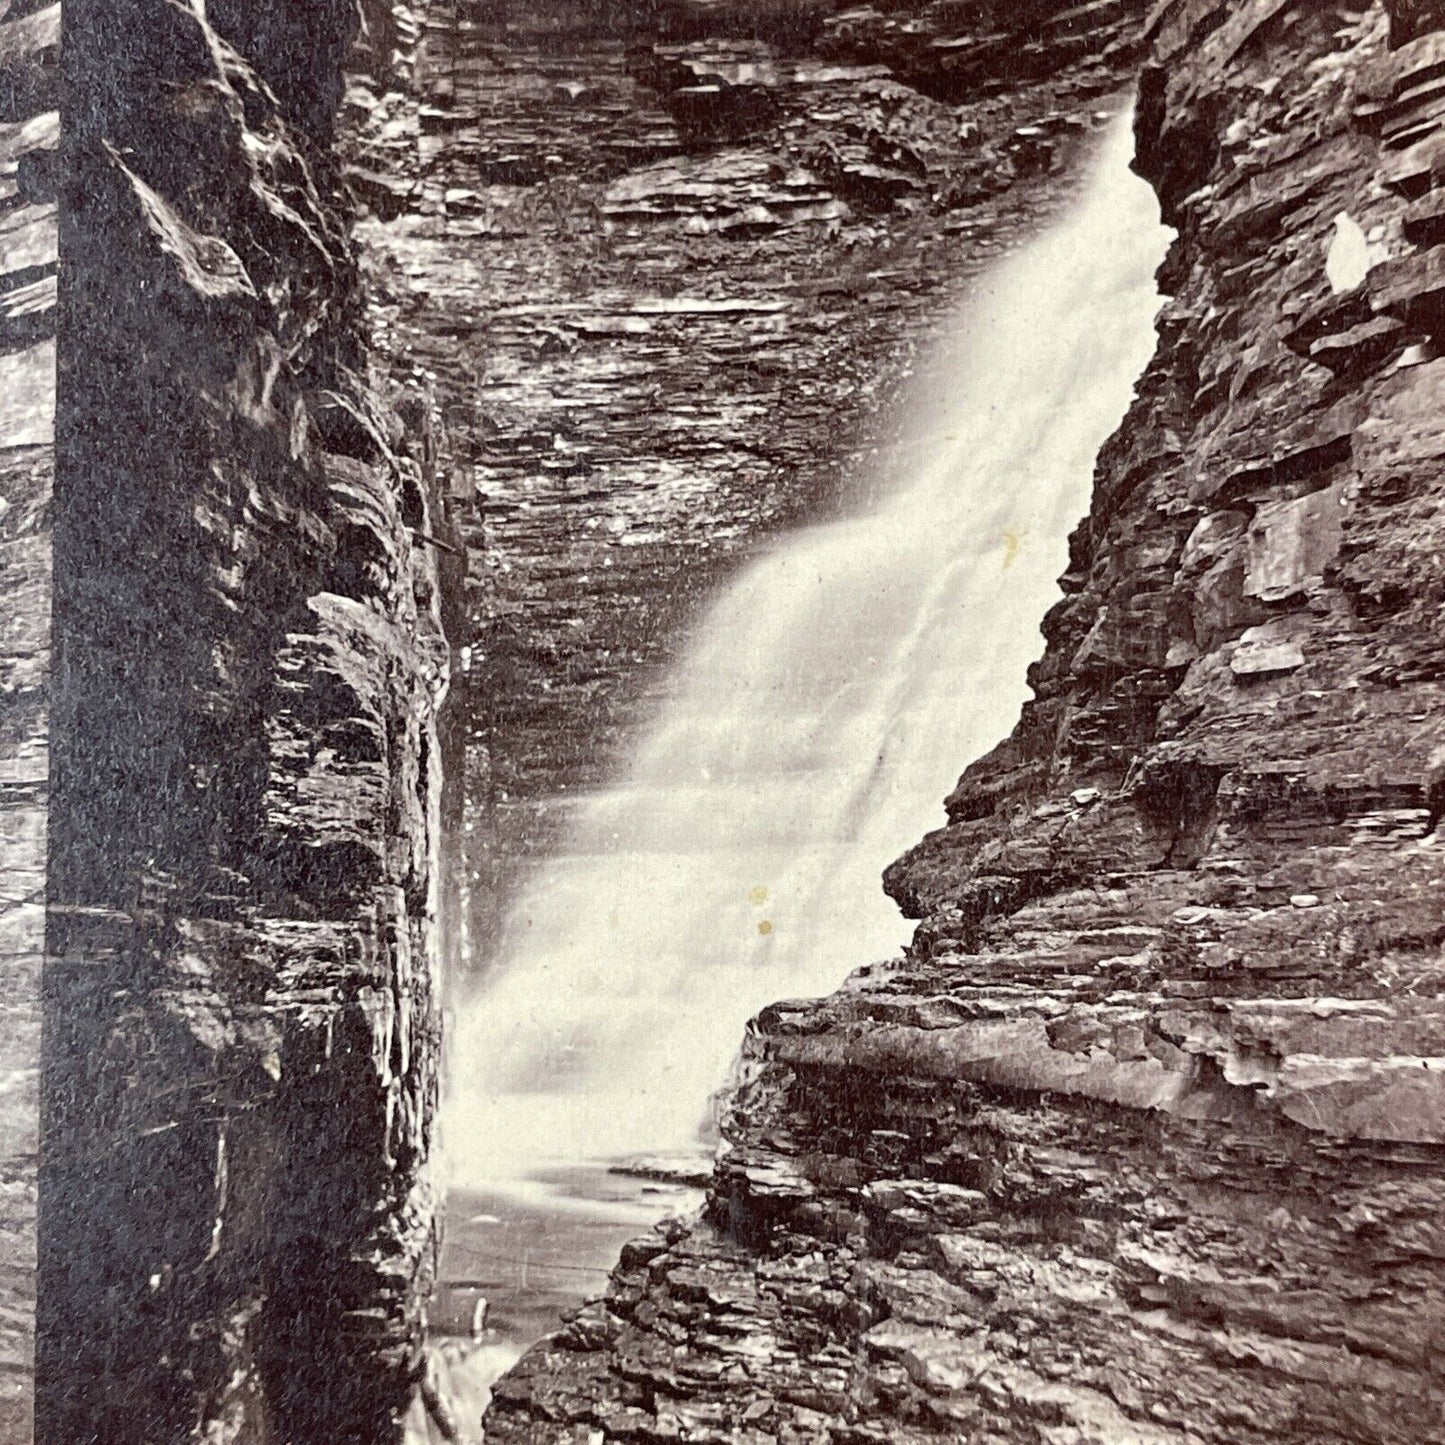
(665, 267)
(29, 133)
(236, 1223)
(1141, 1140)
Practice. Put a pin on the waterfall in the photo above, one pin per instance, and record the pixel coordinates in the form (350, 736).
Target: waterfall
(824, 707)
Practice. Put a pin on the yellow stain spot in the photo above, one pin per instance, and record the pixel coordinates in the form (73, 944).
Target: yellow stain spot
(765, 927)
(759, 895)
(1013, 539)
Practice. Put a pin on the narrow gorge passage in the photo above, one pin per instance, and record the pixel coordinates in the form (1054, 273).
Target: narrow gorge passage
(825, 707)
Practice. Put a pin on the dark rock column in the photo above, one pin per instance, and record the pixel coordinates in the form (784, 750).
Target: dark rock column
(236, 1219)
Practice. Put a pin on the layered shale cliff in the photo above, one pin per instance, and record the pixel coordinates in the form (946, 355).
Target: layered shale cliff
(240, 1014)
(29, 132)
(665, 265)
(1142, 1139)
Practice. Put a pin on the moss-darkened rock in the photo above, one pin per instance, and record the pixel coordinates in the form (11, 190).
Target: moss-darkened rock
(240, 1004)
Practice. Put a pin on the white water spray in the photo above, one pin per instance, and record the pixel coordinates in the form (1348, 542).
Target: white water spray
(826, 705)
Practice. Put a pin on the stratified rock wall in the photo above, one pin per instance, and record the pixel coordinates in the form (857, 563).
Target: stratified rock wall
(668, 264)
(1142, 1140)
(959, 52)
(236, 1218)
(29, 133)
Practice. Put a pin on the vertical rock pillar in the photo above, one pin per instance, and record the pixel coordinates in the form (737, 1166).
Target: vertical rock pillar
(240, 991)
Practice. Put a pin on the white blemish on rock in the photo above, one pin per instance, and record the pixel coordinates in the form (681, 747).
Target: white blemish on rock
(1349, 255)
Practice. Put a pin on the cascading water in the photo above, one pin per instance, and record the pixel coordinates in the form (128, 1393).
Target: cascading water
(825, 706)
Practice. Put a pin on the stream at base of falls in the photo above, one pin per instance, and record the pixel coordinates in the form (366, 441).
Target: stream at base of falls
(822, 710)
(515, 1262)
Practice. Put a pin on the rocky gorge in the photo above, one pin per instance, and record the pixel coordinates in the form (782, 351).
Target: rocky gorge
(459, 352)
(1141, 1139)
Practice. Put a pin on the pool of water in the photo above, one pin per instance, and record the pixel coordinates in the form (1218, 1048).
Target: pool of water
(517, 1260)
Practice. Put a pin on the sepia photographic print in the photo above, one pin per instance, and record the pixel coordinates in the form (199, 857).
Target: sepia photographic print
(722, 721)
